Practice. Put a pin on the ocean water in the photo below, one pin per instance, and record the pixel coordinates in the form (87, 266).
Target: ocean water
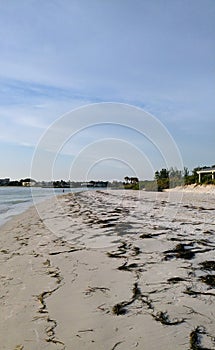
(15, 200)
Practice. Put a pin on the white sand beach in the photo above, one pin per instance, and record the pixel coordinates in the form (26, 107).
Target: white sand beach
(194, 188)
(110, 270)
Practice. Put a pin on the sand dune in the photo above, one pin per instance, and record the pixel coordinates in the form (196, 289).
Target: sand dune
(194, 188)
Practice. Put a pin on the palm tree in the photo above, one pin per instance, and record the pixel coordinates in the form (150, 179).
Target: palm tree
(134, 180)
(127, 179)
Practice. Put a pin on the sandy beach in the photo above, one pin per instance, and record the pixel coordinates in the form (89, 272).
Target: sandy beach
(110, 270)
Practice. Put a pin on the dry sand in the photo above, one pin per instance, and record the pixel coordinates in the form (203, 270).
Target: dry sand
(194, 188)
(110, 270)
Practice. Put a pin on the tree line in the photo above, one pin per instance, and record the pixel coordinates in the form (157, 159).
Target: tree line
(169, 178)
(173, 177)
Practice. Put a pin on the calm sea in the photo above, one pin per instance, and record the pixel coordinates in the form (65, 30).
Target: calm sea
(15, 200)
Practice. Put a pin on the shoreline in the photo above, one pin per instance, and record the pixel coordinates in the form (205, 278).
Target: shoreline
(19, 200)
(102, 270)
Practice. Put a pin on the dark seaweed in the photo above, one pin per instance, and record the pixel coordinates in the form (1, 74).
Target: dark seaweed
(209, 280)
(146, 235)
(195, 339)
(208, 265)
(129, 267)
(163, 317)
(175, 279)
(181, 251)
(119, 309)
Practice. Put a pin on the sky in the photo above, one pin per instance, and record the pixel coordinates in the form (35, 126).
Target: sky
(75, 58)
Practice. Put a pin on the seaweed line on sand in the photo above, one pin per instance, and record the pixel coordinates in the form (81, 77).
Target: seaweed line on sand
(54, 272)
(120, 308)
(163, 318)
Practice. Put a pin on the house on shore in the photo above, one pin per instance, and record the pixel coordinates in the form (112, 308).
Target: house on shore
(203, 171)
(28, 182)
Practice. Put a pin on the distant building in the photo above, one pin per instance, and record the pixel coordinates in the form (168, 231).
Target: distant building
(28, 182)
(102, 184)
(4, 182)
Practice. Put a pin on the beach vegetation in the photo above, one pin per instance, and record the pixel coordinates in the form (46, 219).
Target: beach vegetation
(162, 178)
(150, 185)
(131, 183)
(194, 177)
(170, 178)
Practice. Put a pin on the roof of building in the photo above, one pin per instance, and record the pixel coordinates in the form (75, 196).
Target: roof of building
(209, 169)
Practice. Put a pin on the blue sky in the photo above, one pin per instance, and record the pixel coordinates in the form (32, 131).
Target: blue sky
(57, 55)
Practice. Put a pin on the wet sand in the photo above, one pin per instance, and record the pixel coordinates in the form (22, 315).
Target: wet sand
(110, 270)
